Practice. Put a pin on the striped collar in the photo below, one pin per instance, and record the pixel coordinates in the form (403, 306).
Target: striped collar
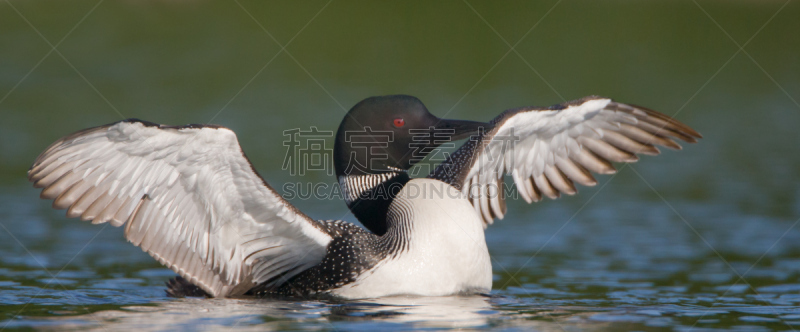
(354, 185)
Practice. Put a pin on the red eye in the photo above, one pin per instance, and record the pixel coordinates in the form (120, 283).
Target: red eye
(399, 122)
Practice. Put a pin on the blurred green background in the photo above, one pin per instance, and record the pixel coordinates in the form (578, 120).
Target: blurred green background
(178, 62)
(262, 67)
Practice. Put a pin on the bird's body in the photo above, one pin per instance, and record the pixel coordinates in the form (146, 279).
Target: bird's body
(435, 246)
(190, 197)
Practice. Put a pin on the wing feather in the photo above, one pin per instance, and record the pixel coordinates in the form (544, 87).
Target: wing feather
(188, 196)
(553, 148)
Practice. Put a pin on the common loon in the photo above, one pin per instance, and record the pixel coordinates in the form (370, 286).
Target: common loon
(189, 196)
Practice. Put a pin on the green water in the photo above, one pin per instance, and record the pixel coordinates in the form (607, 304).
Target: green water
(700, 239)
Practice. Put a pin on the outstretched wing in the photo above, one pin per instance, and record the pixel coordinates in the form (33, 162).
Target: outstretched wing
(188, 196)
(545, 150)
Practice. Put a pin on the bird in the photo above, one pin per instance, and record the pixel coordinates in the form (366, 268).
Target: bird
(189, 196)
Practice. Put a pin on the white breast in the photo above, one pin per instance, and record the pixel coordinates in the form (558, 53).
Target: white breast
(446, 251)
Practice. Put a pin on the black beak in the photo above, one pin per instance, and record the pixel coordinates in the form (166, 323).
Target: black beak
(460, 129)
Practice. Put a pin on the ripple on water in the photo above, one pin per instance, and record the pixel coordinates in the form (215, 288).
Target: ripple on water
(782, 289)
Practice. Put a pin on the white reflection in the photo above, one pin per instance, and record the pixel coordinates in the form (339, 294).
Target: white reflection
(269, 314)
(446, 311)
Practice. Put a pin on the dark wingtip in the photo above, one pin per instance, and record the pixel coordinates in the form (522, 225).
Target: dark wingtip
(179, 287)
(163, 126)
(144, 122)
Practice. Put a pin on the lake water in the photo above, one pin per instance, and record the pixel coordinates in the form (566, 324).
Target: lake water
(701, 239)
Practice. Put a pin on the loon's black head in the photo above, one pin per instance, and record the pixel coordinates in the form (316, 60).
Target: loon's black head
(391, 133)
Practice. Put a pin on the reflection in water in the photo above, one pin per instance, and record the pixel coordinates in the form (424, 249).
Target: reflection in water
(450, 311)
(440, 312)
(470, 312)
